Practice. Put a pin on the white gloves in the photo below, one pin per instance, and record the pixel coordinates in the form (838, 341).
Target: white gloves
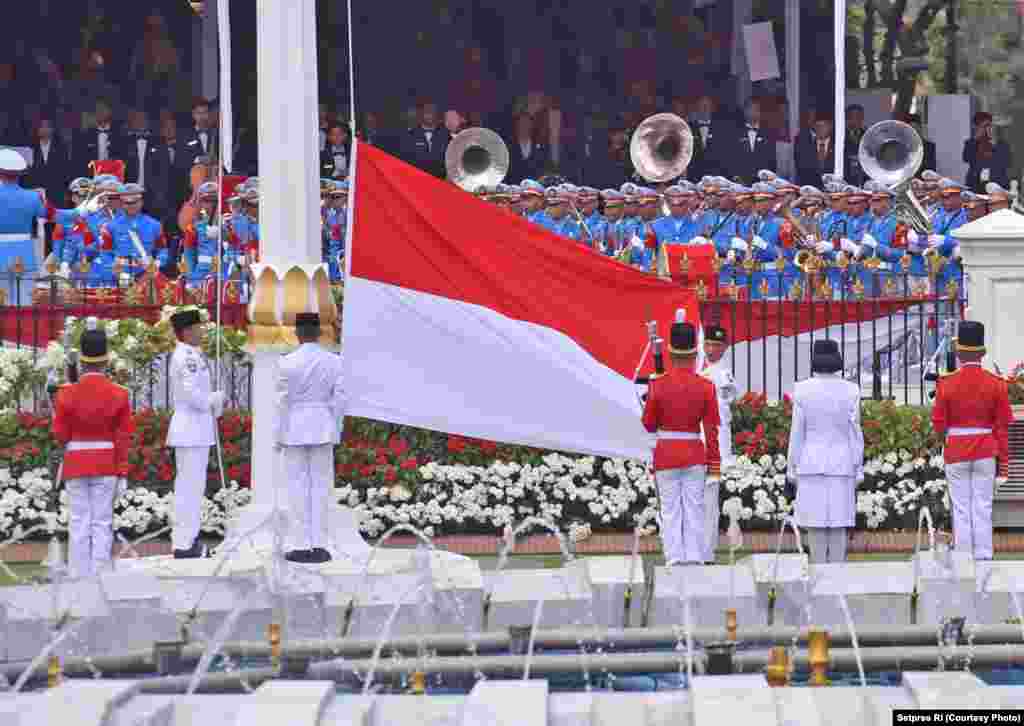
(868, 241)
(823, 247)
(94, 205)
(739, 245)
(217, 403)
(700, 241)
(65, 270)
(760, 242)
(212, 230)
(730, 257)
(956, 253)
(848, 245)
(912, 236)
(934, 240)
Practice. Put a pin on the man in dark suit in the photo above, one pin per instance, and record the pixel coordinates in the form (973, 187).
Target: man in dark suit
(987, 159)
(527, 157)
(201, 140)
(611, 166)
(815, 152)
(424, 146)
(929, 146)
(334, 159)
(751, 151)
(98, 144)
(854, 133)
(139, 153)
(707, 137)
(371, 132)
(167, 180)
(51, 167)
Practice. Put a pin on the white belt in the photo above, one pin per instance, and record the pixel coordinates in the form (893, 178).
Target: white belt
(89, 445)
(14, 237)
(677, 436)
(205, 259)
(957, 431)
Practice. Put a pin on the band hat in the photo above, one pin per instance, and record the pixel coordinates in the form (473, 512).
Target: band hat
(970, 337)
(307, 320)
(716, 334)
(207, 190)
(767, 175)
(11, 162)
(950, 187)
(531, 187)
(809, 190)
(81, 185)
(186, 318)
(683, 337)
(93, 346)
(132, 192)
(825, 357)
(763, 190)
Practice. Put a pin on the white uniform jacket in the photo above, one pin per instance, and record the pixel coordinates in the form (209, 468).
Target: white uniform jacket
(825, 438)
(310, 397)
(193, 421)
(725, 389)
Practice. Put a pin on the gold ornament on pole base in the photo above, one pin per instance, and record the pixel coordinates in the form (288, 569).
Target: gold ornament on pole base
(281, 292)
(818, 656)
(274, 639)
(54, 672)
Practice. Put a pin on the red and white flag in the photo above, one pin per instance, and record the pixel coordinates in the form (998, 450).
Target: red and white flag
(463, 318)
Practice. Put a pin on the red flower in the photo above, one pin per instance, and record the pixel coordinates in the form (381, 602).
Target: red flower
(488, 447)
(456, 444)
(390, 475)
(409, 464)
(165, 473)
(382, 458)
(366, 471)
(234, 473)
(398, 446)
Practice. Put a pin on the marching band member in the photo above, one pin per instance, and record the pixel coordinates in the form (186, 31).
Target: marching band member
(998, 197)
(680, 406)
(532, 199)
(611, 232)
(826, 453)
(976, 206)
(339, 223)
(200, 238)
(100, 254)
(69, 237)
(93, 419)
(192, 430)
(765, 244)
(716, 369)
(134, 237)
(972, 412)
(884, 241)
(950, 217)
(311, 401)
(679, 227)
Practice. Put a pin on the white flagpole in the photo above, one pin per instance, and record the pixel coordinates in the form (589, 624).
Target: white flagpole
(351, 83)
(227, 146)
(839, 129)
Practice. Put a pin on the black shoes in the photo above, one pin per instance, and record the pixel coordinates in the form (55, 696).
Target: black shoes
(314, 556)
(195, 552)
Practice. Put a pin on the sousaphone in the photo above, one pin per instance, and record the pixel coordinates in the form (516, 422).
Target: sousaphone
(661, 147)
(891, 152)
(476, 157)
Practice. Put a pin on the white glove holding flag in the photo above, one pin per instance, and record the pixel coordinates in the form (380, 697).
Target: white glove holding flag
(868, 240)
(850, 246)
(739, 245)
(760, 242)
(823, 247)
(94, 205)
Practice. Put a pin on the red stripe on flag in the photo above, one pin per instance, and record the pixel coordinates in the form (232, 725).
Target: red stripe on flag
(417, 232)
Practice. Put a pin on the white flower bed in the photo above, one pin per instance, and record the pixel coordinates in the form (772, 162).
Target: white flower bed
(578, 494)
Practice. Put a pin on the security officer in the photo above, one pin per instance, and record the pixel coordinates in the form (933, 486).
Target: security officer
(972, 413)
(19, 209)
(826, 453)
(93, 419)
(135, 238)
(311, 401)
(716, 369)
(192, 430)
(681, 406)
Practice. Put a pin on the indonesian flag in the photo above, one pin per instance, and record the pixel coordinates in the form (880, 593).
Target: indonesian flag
(461, 317)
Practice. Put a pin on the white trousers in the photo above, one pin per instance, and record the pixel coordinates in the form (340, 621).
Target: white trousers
(681, 492)
(310, 473)
(828, 544)
(711, 519)
(189, 486)
(971, 486)
(91, 525)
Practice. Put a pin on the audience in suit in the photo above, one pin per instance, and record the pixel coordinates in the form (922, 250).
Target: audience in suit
(528, 158)
(103, 142)
(424, 146)
(751, 150)
(815, 152)
(51, 166)
(988, 158)
(334, 159)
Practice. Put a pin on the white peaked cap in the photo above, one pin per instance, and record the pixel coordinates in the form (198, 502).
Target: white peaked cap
(11, 161)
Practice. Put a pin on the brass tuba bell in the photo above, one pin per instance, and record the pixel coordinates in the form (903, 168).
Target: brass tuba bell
(891, 152)
(476, 157)
(661, 147)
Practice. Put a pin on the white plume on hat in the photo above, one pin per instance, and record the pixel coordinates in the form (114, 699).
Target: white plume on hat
(681, 315)
(92, 323)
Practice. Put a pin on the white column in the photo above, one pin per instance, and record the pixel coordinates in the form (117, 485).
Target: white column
(839, 132)
(793, 70)
(993, 253)
(209, 78)
(289, 190)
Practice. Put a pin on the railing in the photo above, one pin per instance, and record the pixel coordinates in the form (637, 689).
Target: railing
(33, 326)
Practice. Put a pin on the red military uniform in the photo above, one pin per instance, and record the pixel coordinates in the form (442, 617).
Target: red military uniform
(94, 419)
(680, 402)
(972, 399)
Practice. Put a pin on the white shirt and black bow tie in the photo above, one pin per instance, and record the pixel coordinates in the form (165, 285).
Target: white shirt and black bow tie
(102, 143)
